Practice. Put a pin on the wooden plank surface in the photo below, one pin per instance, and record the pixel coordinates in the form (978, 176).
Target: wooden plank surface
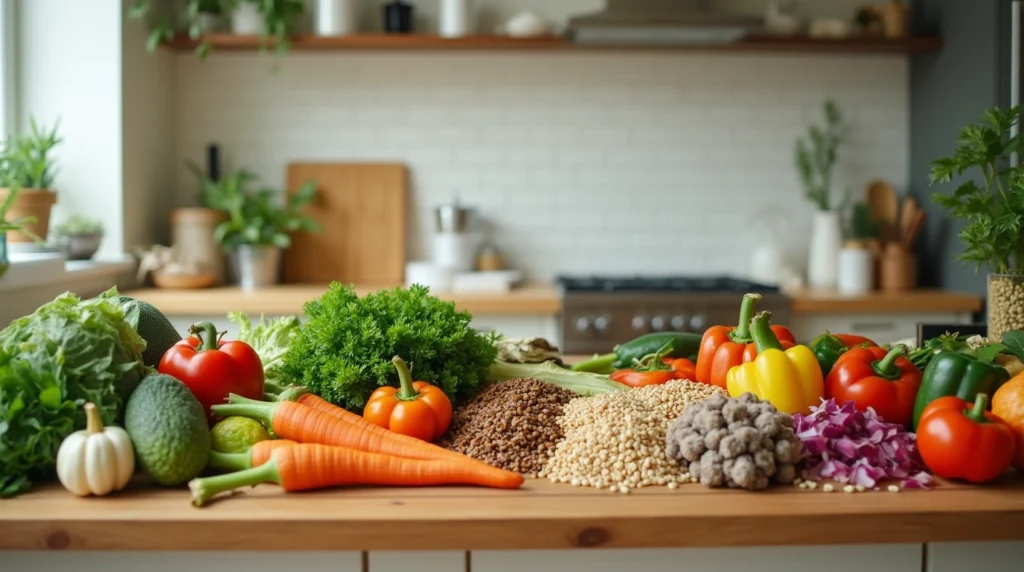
(540, 515)
(807, 301)
(873, 45)
(287, 299)
(362, 209)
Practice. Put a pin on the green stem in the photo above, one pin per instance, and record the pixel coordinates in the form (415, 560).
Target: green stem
(741, 335)
(407, 391)
(258, 410)
(293, 393)
(239, 400)
(230, 461)
(209, 341)
(762, 334)
(886, 367)
(977, 413)
(208, 487)
(597, 364)
(653, 362)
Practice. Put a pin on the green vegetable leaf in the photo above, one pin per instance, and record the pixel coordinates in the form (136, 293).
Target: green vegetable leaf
(1014, 343)
(271, 340)
(988, 353)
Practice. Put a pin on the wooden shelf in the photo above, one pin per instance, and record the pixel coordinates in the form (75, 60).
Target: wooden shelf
(368, 42)
(540, 515)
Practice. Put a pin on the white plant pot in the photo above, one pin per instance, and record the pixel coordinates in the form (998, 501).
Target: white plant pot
(336, 17)
(247, 20)
(257, 266)
(826, 241)
(456, 18)
(210, 23)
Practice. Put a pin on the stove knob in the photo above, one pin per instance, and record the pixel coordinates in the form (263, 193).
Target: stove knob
(698, 323)
(659, 323)
(679, 323)
(639, 323)
(583, 325)
(601, 324)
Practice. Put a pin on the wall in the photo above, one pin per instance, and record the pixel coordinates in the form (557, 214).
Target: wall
(949, 90)
(586, 162)
(69, 69)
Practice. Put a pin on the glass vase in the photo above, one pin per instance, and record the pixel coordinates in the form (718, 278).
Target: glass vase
(1005, 304)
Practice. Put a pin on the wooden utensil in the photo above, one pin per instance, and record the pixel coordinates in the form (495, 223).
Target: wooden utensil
(913, 229)
(885, 208)
(362, 209)
(907, 213)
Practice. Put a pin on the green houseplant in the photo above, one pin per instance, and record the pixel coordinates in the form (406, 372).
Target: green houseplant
(272, 20)
(991, 210)
(816, 159)
(11, 225)
(79, 237)
(259, 227)
(26, 163)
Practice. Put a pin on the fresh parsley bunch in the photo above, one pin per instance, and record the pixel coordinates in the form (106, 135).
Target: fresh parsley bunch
(993, 208)
(345, 349)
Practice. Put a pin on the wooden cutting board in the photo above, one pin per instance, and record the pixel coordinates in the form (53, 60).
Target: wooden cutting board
(362, 209)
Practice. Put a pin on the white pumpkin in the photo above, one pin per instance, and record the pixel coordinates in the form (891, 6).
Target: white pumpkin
(96, 460)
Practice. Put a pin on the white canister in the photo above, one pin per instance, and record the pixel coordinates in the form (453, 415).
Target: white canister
(826, 241)
(454, 250)
(856, 270)
(336, 17)
(456, 18)
(426, 273)
(246, 19)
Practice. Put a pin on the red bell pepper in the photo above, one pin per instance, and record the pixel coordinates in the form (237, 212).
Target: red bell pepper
(960, 441)
(212, 368)
(724, 347)
(853, 340)
(655, 369)
(871, 377)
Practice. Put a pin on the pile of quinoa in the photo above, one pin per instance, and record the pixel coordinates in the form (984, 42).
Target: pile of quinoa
(511, 425)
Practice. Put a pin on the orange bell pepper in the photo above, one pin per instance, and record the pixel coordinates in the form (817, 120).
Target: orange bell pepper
(960, 441)
(655, 369)
(416, 409)
(1008, 405)
(724, 347)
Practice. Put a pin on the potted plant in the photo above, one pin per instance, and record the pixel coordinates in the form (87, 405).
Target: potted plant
(816, 158)
(266, 18)
(259, 228)
(79, 237)
(26, 164)
(11, 225)
(991, 209)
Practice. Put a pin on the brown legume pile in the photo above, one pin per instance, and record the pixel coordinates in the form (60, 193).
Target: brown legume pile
(511, 425)
(617, 440)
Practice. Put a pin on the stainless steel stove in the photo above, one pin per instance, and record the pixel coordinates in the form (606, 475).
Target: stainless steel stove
(599, 312)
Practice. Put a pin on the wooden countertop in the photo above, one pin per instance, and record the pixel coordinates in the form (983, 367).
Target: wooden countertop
(532, 299)
(541, 515)
(922, 300)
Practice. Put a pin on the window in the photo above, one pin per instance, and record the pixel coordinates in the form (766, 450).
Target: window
(8, 92)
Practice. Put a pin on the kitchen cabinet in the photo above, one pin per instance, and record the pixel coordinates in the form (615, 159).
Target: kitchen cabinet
(987, 556)
(420, 561)
(200, 561)
(883, 558)
(881, 327)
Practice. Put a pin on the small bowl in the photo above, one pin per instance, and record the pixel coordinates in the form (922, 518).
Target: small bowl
(80, 246)
(183, 282)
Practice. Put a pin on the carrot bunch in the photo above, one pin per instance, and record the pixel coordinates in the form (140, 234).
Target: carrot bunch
(321, 445)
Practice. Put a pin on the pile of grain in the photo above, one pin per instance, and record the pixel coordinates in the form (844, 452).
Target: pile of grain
(511, 425)
(617, 440)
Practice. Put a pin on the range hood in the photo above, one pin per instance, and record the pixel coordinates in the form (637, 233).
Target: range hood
(660, 22)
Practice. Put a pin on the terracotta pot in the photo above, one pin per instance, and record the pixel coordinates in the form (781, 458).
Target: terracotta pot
(30, 202)
(192, 233)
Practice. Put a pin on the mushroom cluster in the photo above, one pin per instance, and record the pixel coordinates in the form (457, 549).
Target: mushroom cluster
(735, 442)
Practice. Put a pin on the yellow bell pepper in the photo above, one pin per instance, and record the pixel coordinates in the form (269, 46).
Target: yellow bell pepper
(790, 379)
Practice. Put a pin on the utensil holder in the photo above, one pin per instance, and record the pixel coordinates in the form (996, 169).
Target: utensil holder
(898, 268)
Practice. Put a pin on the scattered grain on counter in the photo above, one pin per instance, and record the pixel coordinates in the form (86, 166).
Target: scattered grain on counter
(512, 425)
(616, 441)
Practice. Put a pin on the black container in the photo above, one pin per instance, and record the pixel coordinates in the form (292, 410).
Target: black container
(398, 17)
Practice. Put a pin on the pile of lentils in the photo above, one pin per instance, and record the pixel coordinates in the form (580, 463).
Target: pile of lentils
(511, 425)
(617, 440)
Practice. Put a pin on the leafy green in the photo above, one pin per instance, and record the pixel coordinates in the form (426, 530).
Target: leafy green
(817, 155)
(584, 383)
(69, 351)
(1014, 343)
(25, 160)
(993, 210)
(271, 340)
(345, 349)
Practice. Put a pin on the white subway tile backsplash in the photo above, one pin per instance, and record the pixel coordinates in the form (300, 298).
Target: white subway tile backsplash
(585, 162)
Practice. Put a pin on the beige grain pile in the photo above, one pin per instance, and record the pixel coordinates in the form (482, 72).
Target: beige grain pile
(617, 440)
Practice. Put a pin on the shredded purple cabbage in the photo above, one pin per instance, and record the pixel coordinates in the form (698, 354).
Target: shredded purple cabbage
(857, 447)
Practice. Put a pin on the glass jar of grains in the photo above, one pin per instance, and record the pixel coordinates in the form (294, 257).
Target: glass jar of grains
(1005, 304)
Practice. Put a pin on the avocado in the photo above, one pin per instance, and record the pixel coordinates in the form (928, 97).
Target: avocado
(168, 428)
(152, 326)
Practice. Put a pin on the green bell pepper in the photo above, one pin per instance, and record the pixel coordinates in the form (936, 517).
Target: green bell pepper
(827, 349)
(959, 374)
(683, 344)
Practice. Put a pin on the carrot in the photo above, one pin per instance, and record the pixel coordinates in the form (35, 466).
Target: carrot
(302, 423)
(308, 466)
(258, 454)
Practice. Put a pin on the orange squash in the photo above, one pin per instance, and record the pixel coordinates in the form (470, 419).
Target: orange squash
(1008, 404)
